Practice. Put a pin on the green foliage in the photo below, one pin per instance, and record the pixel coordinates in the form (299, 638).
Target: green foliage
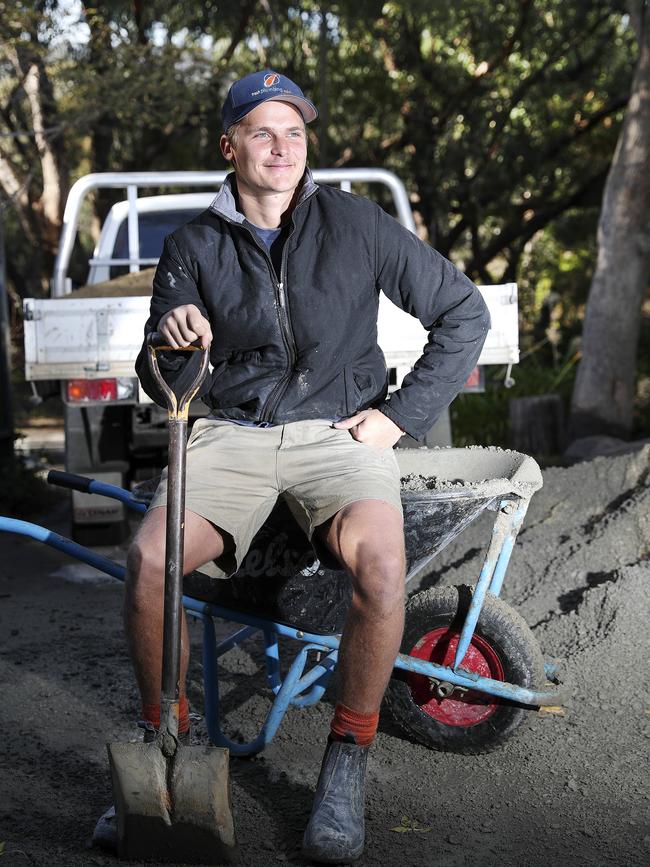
(497, 115)
(559, 260)
(482, 419)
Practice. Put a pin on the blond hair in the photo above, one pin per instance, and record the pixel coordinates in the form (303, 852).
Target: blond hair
(231, 134)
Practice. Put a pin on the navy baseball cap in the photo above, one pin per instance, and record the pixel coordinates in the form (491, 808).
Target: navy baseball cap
(258, 87)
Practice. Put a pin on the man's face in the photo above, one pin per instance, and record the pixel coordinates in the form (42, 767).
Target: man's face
(270, 152)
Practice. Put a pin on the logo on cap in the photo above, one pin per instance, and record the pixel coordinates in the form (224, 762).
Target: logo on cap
(271, 79)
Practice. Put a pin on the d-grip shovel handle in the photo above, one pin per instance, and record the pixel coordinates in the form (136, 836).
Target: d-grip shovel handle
(178, 396)
(178, 402)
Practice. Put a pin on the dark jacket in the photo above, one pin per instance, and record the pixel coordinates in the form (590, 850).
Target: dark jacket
(305, 346)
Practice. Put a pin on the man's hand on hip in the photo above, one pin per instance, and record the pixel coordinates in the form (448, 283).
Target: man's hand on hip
(372, 427)
(183, 325)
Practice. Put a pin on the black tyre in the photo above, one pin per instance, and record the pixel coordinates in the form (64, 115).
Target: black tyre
(503, 648)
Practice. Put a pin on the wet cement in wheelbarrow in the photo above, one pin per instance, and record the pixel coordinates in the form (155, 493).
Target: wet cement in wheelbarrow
(567, 789)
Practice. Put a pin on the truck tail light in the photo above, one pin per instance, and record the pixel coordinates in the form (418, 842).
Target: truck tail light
(476, 380)
(86, 390)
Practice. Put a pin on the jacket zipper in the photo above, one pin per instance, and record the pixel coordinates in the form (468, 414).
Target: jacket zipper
(274, 398)
(272, 401)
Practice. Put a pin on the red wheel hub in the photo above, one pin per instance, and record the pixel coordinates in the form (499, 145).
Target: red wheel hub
(458, 709)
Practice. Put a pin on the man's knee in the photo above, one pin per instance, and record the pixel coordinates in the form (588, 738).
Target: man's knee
(145, 571)
(379, 581)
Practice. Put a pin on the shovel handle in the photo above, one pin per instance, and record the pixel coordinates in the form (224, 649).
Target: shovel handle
(178, 396)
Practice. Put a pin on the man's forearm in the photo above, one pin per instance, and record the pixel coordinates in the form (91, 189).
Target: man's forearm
(449, 357)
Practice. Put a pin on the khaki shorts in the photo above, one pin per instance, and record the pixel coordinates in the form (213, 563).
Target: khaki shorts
(235, 474)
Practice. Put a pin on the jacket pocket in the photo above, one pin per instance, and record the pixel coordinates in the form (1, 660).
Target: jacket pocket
(360, 389)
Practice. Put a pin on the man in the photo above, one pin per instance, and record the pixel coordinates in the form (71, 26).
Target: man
(280, 278)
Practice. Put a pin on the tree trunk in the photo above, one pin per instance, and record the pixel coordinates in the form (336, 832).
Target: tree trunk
(603, 395)
(40, 212)
(536, 424)
(51, 152)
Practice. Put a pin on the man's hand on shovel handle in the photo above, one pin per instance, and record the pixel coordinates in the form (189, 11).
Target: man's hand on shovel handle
(184, 325)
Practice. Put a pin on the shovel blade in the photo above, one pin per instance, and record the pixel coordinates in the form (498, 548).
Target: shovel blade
(174, 809)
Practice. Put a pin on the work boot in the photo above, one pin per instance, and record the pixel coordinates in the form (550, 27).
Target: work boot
(335, 831)
(105, 833)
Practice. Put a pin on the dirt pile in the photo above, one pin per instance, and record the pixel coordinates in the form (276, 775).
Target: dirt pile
(139, 283)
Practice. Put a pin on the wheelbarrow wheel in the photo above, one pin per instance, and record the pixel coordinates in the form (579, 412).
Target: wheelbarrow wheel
(503, 648)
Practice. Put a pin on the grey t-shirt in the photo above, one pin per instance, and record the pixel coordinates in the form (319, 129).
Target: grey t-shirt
(273, 240)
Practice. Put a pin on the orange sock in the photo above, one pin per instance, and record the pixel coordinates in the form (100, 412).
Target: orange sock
(151, 714)
(348, 724)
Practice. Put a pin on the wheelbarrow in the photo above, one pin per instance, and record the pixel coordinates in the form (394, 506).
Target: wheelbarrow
(469, 671)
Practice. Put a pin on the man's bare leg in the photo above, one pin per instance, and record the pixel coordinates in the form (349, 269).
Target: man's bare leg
(144, 596)
(143, 615)
(368, 539)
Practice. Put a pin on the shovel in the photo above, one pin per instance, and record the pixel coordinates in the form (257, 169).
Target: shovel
(172, 802)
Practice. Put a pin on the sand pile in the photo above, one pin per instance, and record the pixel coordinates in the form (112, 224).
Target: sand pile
(570, 787)
(138, 283)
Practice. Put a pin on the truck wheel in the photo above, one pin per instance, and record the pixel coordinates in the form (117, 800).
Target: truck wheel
(503, 648)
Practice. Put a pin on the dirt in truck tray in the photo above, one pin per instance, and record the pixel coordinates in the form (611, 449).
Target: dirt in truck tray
(139, 283)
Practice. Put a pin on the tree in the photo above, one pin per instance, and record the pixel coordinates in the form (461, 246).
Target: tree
(148, 89)
(34, 144)
(138, 91)
(500, 117)
(603, 396)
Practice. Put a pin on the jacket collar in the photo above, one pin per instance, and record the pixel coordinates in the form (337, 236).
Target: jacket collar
(224, 203)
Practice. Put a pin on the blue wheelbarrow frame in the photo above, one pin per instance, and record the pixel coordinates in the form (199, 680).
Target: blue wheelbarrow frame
(306, 679)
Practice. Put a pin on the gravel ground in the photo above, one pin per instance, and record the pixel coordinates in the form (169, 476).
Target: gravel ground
(570, 788)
